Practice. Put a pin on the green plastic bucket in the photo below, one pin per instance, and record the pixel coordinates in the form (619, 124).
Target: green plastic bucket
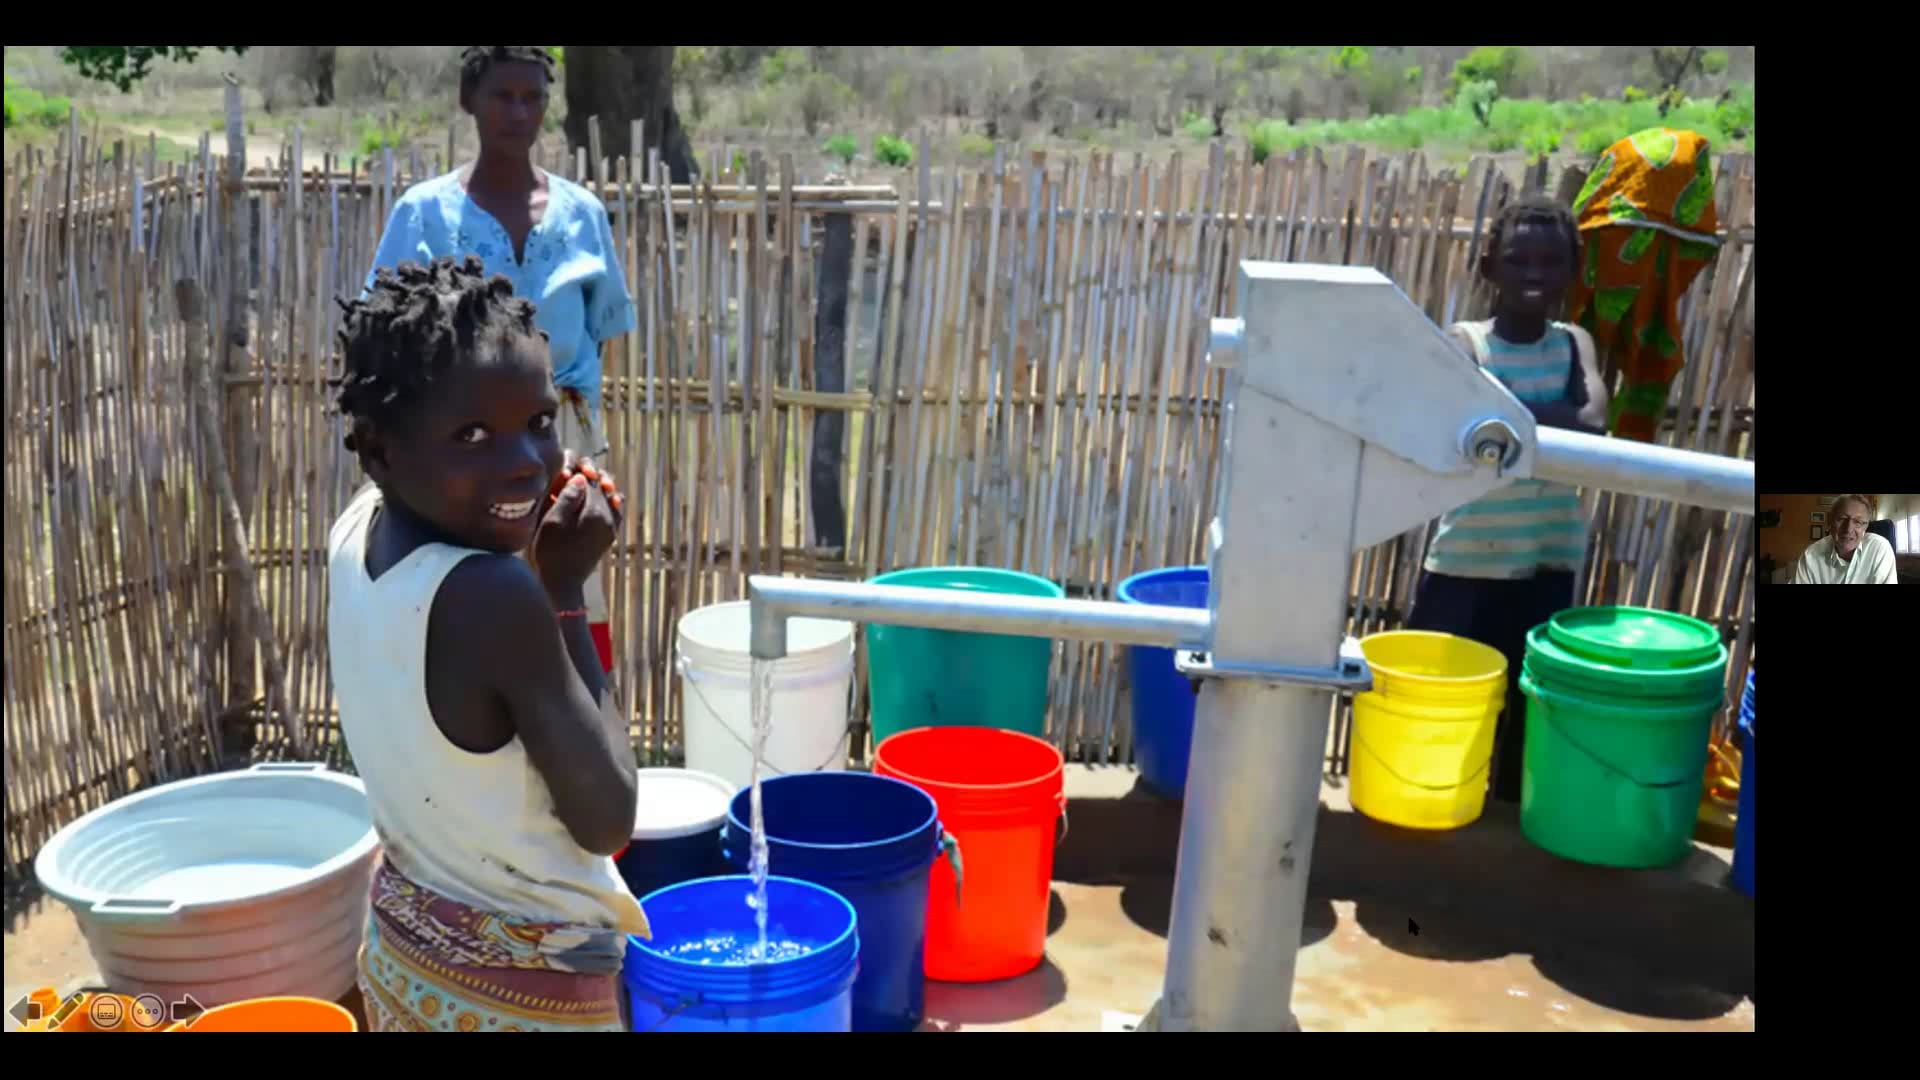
(1612, 783)
(938, 678)
(1620, 704)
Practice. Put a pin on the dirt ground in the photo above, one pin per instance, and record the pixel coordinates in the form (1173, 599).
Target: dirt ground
(1508, 937)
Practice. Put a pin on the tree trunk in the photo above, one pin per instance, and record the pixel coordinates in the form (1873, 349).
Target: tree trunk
(322, 73)
(621, 84)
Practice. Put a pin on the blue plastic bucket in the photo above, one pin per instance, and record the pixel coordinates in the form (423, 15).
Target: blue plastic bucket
(676, 829)
(694, 975)
(873, 840)
(1163, 698)
(1743, 824)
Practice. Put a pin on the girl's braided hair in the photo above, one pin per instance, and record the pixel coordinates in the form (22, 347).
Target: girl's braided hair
(414, 323)
(1535, 208)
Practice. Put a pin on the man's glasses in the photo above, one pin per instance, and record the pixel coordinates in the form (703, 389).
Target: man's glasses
(1860, 522)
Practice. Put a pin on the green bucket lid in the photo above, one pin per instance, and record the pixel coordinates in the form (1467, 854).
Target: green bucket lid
(1635, 638)
(1549, 662)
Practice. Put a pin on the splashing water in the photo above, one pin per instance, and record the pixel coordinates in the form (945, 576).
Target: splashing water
(762, 692)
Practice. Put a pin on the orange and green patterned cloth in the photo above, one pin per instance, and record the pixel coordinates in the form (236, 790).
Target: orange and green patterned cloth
(1647, 224)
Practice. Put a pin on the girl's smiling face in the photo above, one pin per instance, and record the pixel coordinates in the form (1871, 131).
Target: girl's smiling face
(1532, 268)
(476, 456)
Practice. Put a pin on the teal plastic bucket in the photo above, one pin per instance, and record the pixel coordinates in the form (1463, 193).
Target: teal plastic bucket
(941, 678)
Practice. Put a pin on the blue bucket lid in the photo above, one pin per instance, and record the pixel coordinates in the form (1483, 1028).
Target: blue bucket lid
(678, 802)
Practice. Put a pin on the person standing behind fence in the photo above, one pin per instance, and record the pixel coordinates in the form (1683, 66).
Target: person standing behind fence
(1505, 563)
(548, 236)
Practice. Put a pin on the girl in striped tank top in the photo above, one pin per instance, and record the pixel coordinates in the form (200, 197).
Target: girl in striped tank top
(1505, 563)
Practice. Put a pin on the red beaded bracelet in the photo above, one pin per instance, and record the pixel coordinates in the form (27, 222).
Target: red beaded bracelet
(573, 613)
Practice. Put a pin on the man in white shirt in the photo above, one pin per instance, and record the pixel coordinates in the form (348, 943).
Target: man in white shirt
(1848, 554)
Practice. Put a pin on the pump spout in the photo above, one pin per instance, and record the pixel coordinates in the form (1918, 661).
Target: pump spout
(774, 600)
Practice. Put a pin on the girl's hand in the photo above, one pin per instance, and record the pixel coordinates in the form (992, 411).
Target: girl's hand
(585, 467)
(582, 518)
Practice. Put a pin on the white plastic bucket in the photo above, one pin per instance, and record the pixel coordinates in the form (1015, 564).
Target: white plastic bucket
(810, 694)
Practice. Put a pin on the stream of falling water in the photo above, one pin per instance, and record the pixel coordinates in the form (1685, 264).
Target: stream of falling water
(762, 693)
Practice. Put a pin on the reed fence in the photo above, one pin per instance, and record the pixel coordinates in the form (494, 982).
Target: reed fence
(1002, 365)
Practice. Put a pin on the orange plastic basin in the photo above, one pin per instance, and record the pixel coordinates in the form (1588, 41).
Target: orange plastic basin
(273, 1014)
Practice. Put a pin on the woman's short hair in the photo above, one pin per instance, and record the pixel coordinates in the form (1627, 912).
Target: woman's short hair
(476, 60)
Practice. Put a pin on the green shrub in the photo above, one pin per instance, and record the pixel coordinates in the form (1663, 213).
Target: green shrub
(1502, 65)
(844, 147)
(1196, 126)
(1735, 114)
(1594, 140)
(1632, 94)
(376, 134)
(27, 107)
(1542, 141)
(789, 61)
(1477, 100)
(892, 150)
(1501, 141)
(975, 145)
(1264, 137)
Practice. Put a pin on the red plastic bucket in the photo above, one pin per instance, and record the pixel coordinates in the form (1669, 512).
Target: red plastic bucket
(1000, 794)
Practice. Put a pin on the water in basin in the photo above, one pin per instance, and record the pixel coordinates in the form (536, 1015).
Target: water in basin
(208, 882)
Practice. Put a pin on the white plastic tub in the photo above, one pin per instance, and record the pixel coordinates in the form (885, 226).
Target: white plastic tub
(239, 885)
(810, 694)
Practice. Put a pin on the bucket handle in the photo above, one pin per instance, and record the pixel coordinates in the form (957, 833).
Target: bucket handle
(1391, 771)
(1610, 766)
(1061, 798)
(684, 666)
(950, 847)
(129, 908)
(687, 1001)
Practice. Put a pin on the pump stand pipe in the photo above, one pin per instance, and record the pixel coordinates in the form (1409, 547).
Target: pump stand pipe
(774, 600)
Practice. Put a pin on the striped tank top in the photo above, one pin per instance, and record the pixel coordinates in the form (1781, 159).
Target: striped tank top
(1528, 525)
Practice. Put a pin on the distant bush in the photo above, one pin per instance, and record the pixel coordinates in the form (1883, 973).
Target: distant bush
(1734, 112)
(1502, 141)
(975, 145)
(1477, 99)
(1502, 65)
(1195, 126)
(844, 147)
(1541, 141)
(822, 97)
(1594, 141)
(1265, 138)
(1632, 94)
(892, 150)
(27, 107)
(378, 133)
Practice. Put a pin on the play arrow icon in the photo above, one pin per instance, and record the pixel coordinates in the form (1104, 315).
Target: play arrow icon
(184, 1008)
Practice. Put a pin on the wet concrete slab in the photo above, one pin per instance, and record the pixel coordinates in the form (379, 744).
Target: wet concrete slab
(1360, 970)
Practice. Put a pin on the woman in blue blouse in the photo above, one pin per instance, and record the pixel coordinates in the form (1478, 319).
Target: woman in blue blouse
(549, 236)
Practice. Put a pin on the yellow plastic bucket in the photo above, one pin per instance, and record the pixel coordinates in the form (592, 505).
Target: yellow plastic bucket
(1423, 736)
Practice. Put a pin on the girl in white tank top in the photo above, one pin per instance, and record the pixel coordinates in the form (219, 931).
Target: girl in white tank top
(467, 681)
